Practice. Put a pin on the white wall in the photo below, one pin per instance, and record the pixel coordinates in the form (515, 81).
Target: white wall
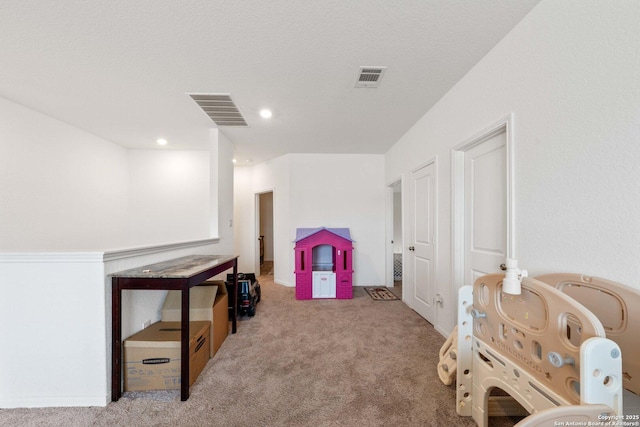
(342, 190)
(53, 330)
(222, 175)
(72, 208)
(64, 189)
(569, 74)
(61, 188)
(321, 190)
(169, 196)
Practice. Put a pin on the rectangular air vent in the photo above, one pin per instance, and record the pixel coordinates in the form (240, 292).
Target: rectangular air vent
(369, 76)
(220, 108)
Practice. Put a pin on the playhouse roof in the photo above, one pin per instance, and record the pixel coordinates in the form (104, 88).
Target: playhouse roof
(303, 233)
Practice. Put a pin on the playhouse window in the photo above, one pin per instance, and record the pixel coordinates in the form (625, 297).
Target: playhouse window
(323, 258)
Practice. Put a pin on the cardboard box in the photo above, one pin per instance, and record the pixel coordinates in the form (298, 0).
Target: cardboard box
(220, 317)
(152, 356)
(206, 302)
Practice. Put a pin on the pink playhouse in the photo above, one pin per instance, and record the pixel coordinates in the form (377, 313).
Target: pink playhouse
(324, 266)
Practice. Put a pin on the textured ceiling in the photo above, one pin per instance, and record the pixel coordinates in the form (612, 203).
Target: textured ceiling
(123, 69)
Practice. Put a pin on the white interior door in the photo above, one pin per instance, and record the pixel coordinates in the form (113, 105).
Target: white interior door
(422, 243)
(485, 203)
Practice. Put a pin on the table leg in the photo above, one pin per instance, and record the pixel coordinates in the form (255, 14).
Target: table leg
(116, 341)
(234, 298)
(184, 344)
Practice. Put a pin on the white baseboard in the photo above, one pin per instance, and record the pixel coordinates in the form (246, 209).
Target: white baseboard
(54, 401)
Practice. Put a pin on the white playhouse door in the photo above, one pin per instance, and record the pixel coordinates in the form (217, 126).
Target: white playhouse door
(323, 285)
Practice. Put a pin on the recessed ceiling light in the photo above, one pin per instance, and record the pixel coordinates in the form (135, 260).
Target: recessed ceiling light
(161, 141)
(234, 160)
(265, 113)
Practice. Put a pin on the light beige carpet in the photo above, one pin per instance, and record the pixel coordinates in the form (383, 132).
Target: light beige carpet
(353, 362)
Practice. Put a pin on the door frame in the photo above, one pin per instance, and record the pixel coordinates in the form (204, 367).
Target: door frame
(458, 192)
(256, 228)
(389, 232)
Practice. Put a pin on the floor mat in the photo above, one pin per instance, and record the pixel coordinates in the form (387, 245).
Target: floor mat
(381, 294)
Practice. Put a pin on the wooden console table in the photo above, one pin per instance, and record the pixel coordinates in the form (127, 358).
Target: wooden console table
(177, 274)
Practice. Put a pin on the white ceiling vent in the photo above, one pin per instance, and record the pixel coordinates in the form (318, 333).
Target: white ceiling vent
(370, 76)
(220, 108)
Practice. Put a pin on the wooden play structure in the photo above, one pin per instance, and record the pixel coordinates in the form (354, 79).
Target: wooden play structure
(562, 351)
